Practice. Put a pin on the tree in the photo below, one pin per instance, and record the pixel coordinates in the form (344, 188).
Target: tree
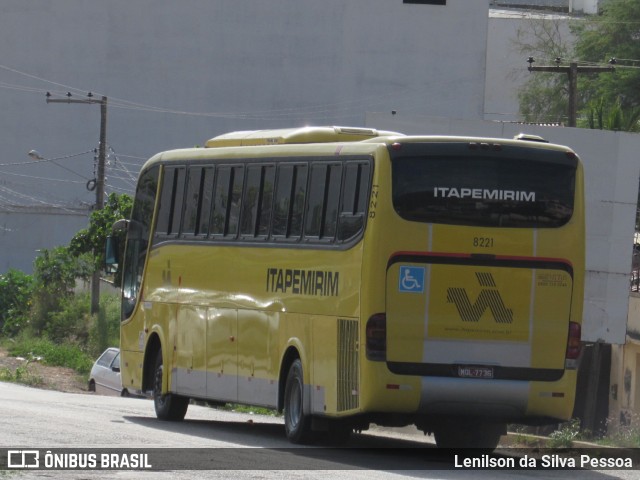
(545, 96)
(614, 118)
(16, 288)
(607, 101)
(55, 273)
(92, 240)
(614, 34)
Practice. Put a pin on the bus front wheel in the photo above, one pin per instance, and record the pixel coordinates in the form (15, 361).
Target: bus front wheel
(297, 425)
(168, 406)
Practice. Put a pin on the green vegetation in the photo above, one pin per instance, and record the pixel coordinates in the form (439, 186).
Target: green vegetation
(71, 337)
(91, 240)
(234, 407)
(565, 435)
(544, 96)
(624, 436)
(609, 101)
(22, 375)
(50, 353)
(42, 316)
(16, 289)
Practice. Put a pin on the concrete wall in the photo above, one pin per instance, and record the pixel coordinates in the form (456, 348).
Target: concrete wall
(178, 73)
(624, 398)
(611, 188)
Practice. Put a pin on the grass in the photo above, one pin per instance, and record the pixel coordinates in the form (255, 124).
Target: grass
(625, 435)
(21, 375)
(565, 435)
(65, 355)
(234, 407)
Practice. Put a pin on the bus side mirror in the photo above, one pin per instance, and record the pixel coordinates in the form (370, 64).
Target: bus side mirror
(111, 254)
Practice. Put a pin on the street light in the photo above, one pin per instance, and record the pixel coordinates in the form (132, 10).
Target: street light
(35, 155)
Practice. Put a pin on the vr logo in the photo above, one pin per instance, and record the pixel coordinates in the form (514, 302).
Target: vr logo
(489, 298)
(23, 459)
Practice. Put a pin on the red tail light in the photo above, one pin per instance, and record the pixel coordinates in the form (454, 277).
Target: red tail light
(573, 342)
(377, 337)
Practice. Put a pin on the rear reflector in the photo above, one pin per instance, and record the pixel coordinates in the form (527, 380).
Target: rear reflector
(573, 342)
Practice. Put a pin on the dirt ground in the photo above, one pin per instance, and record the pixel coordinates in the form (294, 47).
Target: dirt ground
(43, 376)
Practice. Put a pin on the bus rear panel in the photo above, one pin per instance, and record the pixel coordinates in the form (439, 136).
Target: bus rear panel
(481, 247)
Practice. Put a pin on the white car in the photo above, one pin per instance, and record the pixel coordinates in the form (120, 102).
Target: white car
(105, 374)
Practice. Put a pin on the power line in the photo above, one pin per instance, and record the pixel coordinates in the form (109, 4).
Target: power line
(45, 160)
(333, 110)
(48, 179)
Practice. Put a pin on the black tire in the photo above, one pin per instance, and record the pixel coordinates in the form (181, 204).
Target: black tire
(92, 386)
(169, 406)
(124, 392)
(456, 435)
(296, 424)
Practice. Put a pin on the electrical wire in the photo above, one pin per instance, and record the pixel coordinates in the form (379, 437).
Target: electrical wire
(333, 110)
(116, 160)
(36, 200)
(49, 179)
(46, 160)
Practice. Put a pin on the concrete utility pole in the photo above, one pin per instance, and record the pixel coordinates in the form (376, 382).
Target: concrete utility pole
(572, 72)
(99, 181)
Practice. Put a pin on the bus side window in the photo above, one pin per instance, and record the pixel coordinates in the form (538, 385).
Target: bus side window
(298, 197)
(206, 199)
(355, 196)
(324, 198)
(266, 202)
(226, 204)
(171, 201)
(195, 221)
(257, 201)
(288, 203)
(193, 205)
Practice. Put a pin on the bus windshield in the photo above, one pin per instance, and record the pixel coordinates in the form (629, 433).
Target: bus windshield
(483, 191)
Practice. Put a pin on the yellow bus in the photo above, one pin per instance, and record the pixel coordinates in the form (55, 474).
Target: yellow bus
(350, 276)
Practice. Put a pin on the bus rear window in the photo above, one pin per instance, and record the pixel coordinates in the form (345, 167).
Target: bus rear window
(483, 191)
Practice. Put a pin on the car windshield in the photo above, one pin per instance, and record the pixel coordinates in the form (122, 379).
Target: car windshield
(107, 357)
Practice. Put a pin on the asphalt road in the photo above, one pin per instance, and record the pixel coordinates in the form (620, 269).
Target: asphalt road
(230, 445)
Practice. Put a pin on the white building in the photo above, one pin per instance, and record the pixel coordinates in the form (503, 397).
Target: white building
(178, 73)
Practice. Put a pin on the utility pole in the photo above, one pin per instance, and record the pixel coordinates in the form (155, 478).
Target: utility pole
(99, 181)
(572, 72)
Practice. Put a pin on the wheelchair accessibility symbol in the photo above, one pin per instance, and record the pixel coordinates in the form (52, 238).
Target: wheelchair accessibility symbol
(411, 279)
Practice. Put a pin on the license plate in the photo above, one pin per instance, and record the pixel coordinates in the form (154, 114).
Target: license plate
(475, 372)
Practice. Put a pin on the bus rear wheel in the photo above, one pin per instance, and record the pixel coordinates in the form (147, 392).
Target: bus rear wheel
(296, 423)
(168, 406)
